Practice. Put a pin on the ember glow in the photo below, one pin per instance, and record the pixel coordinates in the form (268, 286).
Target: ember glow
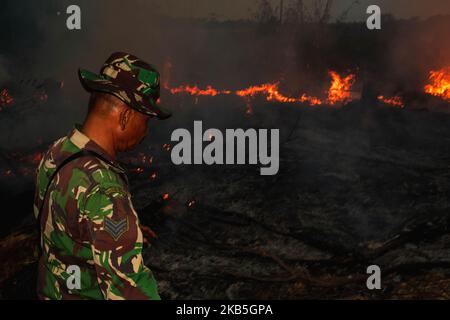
(394, 101)
(146, 159)
(43, 97)
(166, 146)
(5, 98)
(190, 203)
(137, 170)
(37, 157)
(439, 83)
(312, 101)
(249, 108)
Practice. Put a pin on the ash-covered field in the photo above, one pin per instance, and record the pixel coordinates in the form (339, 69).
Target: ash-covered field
(357, 186)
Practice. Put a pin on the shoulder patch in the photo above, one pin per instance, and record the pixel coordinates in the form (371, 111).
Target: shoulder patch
(115, 228)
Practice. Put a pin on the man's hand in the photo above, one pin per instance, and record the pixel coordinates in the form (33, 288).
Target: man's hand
(148, 234)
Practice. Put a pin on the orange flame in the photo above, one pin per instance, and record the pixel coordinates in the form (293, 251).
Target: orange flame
(340, 88)
(313, 101)
(196, 91)
(440, 83)
(394, 101)
(253, 90)
(273, 94)
(338, 92)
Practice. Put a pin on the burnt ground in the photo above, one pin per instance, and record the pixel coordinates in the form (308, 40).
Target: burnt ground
(357, 186)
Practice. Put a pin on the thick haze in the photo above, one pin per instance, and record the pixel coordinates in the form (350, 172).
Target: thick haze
(36, 45)
(244, 9)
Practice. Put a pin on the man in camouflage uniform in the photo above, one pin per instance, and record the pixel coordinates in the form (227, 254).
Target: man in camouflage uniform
(86, 215)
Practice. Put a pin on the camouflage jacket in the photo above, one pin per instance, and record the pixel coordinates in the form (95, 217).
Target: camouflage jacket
(88, 220)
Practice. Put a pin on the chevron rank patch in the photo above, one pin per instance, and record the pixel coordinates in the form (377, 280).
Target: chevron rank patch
(115, 228)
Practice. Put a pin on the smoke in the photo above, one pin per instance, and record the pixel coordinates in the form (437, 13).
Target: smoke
(4, 72)
(228, 55)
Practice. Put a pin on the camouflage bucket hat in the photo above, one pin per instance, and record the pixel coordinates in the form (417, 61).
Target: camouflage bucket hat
(130, 79)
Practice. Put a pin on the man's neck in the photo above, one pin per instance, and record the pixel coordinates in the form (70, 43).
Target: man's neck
(101, 137)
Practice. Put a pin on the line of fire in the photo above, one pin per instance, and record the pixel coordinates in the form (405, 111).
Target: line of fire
(339, 94)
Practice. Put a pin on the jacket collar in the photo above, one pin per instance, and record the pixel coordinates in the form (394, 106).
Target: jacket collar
(81, 141)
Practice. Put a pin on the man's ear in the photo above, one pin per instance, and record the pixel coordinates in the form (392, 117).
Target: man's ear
(125, 116)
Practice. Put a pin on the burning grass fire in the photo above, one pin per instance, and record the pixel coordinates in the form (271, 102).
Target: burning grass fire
(440, 83)
(340, 88)
(196, 91)
(339, 91)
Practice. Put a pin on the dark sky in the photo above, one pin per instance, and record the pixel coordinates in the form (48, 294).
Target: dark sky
(243, 9)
